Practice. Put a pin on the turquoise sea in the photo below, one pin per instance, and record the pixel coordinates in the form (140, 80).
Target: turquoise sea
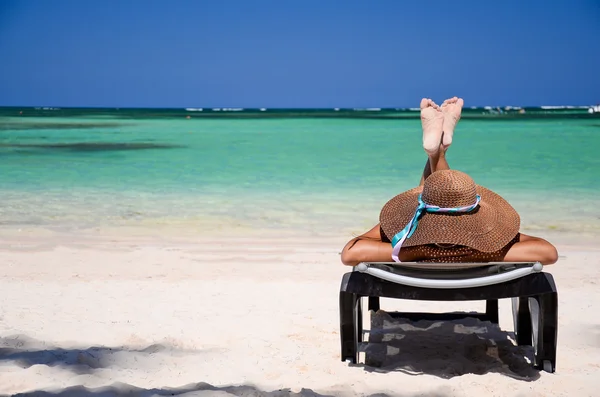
(316, 172)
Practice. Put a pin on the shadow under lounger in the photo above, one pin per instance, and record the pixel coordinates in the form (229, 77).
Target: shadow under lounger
(533, 293)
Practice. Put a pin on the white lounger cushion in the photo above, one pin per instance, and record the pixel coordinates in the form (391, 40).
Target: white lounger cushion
(426, 281)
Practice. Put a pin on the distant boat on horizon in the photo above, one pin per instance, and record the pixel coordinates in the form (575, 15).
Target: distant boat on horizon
(594, 109)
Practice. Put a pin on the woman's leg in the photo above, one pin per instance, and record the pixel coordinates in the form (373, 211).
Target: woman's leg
(438, 123)
(438, 161)
(452, 109)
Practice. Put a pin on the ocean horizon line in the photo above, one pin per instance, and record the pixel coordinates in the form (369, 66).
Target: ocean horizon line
(240, 108)
(375, 113)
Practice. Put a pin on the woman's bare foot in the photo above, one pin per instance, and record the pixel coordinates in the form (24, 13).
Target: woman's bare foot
(451, 108)
(432, 120)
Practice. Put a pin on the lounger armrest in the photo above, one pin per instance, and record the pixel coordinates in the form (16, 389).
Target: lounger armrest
(452, 283)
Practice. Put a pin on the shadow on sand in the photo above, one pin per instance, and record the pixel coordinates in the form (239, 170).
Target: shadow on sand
(445, 348)
(26, 352)
(196, 389)
(440, 348)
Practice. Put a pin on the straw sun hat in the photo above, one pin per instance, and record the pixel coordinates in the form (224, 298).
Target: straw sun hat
(450, 209)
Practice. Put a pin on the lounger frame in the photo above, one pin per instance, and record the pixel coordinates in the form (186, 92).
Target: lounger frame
(533, 293)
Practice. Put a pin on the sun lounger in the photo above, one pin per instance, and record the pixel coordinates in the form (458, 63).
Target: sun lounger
(533, 293)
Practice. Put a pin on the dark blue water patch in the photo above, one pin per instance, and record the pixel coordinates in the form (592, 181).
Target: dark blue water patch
(12, 126)
(92, 146)
(23, 152)
(27, 137)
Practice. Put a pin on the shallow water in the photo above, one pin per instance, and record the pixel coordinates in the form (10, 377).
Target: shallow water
(317, 175)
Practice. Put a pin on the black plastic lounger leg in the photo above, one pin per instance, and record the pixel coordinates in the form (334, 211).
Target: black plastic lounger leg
(358, 318)
(545, 326)
(374, 303)
(522, 321)
(348, 331)
(491, 310)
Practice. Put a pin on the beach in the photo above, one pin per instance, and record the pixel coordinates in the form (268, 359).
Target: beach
(107, 314)
(143, 255)
(179, 182)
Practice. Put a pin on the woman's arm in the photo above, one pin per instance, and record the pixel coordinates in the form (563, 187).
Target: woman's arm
(532, 249)
(367, 247)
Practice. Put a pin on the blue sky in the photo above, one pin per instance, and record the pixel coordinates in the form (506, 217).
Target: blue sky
(308, 53)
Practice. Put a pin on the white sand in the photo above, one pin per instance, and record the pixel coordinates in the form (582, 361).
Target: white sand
(252, 316)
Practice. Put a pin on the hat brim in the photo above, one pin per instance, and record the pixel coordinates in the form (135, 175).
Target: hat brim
(489, 227)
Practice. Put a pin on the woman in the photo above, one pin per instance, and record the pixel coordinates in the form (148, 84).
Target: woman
(447, 218)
